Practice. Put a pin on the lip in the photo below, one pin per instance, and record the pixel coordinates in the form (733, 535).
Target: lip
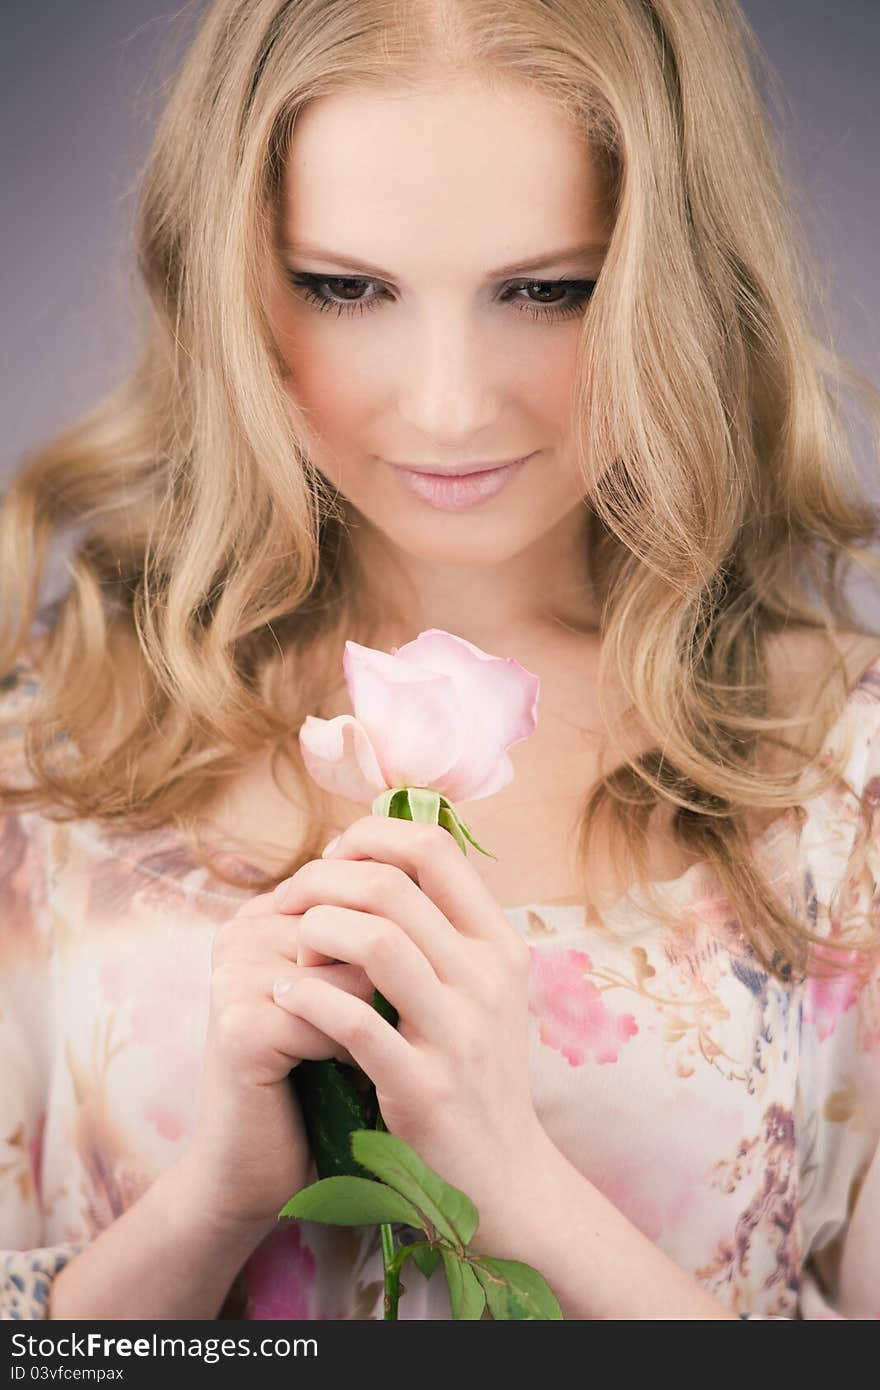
(455, 493)
(465, 472)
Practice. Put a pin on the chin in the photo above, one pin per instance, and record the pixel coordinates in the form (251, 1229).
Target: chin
(486, 545)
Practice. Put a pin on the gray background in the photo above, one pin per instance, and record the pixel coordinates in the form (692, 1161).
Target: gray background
(82, 82)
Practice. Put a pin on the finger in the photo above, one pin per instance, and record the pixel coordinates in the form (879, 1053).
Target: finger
(351, 979)
(261, 933)
(246, 980)
(303, 1042)
(308, 956)
(254, 937)
(278, 932)
(429, 855)
(291, 1036)
(383, 890)
(312, 1043)
(390, 959)
(258, 906)
(378, 1049)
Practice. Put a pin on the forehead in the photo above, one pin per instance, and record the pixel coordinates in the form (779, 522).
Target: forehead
(384, 173)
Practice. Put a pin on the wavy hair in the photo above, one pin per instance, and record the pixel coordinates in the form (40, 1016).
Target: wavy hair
(210, 568)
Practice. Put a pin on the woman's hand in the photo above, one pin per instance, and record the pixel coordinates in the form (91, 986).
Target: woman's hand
(249, 1153)
(399, 899)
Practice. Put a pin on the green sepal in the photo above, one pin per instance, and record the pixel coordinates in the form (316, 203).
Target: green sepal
(424, 804)
(466, 832)
(516, 1291)
(408, 803)
(450, 823)
(398, 808)
(453, 822)
(351, 1201)
(430, 807)
(382, 802)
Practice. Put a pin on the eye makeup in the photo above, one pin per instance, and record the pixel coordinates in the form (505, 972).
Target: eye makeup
(314, 289)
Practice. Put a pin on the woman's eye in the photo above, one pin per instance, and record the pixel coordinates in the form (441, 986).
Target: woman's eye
(341, 297)
(566, 297)
(556, 299)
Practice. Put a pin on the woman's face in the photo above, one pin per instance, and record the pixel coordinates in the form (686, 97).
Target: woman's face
(419, 221)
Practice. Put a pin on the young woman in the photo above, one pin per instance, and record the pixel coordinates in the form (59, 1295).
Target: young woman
(387, 245)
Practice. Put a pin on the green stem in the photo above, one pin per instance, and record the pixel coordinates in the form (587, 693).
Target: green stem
(392, 1267)
(392, 1275)
(430, 806)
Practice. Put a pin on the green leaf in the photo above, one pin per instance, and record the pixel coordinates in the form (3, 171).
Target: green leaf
(515, 1290)
(427, 1257)
(351, 1202)
(449, 1211)
(424, 804)
(466, 1294)
(336, 1099)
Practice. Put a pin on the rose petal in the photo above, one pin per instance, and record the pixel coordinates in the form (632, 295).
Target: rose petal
(340, 758)
(436, 712)
(498, 698)
(412, 717)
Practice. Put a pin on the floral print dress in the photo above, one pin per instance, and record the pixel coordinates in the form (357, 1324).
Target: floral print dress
(734, 1119)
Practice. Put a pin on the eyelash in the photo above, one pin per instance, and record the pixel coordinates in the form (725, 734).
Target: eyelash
(307, 284)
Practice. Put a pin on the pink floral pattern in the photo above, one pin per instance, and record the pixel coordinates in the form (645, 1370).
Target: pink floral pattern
(825, 1000)
(280, 1276)
(572, 1017)
(733, 1118)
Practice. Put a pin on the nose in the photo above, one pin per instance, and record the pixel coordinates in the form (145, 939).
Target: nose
(449, 390)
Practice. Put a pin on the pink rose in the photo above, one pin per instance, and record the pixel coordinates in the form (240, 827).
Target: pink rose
(437, 713)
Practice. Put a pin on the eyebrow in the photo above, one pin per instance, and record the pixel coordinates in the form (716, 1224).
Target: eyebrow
(569, 253)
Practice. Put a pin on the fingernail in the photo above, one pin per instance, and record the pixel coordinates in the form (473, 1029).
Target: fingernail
(282, 986)
(329, 848)
(280, 892)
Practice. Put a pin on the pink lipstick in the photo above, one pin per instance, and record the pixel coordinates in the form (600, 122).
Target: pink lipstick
(451, 494)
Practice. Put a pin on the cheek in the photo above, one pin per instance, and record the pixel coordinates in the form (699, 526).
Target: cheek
(539, 375)
(551, 384)
(324, 372)
(335, 386)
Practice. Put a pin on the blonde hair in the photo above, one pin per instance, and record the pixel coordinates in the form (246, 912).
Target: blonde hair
(723, 485)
